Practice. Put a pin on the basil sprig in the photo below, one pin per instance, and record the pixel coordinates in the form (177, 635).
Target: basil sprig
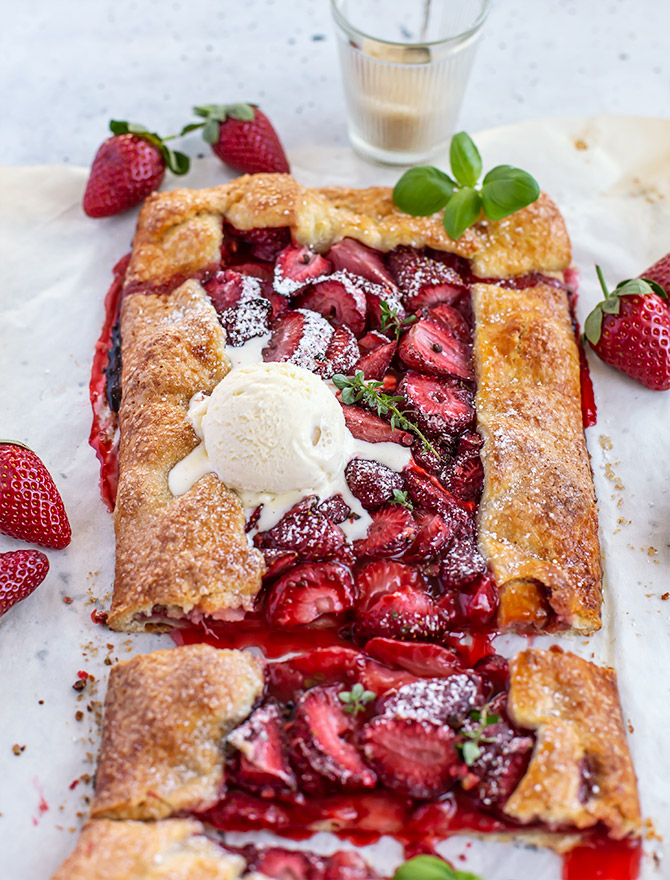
(431, 868)
(425, 190)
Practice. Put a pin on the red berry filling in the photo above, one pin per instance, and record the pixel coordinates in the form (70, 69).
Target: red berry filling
(338, 753)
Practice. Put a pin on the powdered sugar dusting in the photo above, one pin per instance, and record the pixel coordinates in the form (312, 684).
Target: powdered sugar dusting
(316, 334)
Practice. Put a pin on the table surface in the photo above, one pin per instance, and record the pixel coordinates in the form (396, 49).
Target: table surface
(69, 66)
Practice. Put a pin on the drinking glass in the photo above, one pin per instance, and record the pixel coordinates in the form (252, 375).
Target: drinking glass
(405, 65)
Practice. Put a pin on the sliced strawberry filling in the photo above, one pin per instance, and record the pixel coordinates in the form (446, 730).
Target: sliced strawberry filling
(415, 757)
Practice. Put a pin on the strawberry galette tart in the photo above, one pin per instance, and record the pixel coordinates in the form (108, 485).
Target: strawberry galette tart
(324, 424)
(336, 421)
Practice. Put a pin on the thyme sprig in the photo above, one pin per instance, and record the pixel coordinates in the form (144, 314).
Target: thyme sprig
(471, 748)
(392, 320)
(356, 389)
(355, 699)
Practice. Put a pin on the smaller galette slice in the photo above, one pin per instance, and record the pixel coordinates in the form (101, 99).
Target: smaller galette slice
(183, 849)
(409, 740)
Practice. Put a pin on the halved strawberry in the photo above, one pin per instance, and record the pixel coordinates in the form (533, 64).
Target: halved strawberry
(434, 532)
(242, 811)
(288, 864)
(229, 287)
(440, 406)
(266, 242)
(469, 442)
(245, 321)
(305, 531)
(481, 605)
(429, 347)
(278, 562)
(391, 532)
(423, 280)
(417, 758)
(494, 671)
(341, 354)
(335, 508)
(348, 865)
(260, 763)
(262, 271)
(432, 460)
(323, 666)
(339, 299)
(464, 477)
(407, 615)
(420, 658)
(309, 591)
(383, 576)
(426, 491)
(297, 266)
(300, 337)
(319, 742)
(372, 482)
(462, 563)
(380, 679)
(377, 352)
(502, 761)
(442, 700)
(453, 320)
(365, 425)
(359, 259)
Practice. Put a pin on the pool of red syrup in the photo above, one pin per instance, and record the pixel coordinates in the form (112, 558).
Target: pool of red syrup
(254, 632)
(604, 859)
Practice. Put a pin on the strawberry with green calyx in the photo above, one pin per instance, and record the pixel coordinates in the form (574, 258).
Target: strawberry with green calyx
(242, 136)
(21, 572)
(660, 273)
(630, 331)
(128, 167)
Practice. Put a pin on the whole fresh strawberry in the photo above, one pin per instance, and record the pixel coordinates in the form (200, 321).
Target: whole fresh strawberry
(242, 136)
(127, 168)
(31, 508)
(21, 571)
(630, 330)
(660, 273)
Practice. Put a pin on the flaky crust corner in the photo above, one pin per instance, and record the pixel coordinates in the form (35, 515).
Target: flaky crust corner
(174, 849)
(581, 772)
(179, 553)
(166, 714)
(180, 232)
(538, 522)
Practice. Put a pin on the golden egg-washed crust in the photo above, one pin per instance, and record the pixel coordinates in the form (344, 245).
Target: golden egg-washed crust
(187, 553)
(166, 715)
(581, 771)
(174, 849)
(181, 231)
(538, 525)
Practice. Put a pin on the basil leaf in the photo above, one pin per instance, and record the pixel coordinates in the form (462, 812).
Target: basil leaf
(503, 193)
(431, 868)
(462, 211)
(466, 163)
(423, 191)
(500, 171)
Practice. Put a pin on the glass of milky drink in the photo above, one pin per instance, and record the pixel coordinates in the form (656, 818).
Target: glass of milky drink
(405, 66)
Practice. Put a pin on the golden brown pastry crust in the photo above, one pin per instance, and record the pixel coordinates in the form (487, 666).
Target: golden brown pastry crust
(174, 849)
(188, 552)
(573, 707)
(181, 231)
(166, 714)
(538, 525)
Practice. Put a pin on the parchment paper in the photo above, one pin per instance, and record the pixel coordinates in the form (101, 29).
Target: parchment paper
(611, 178)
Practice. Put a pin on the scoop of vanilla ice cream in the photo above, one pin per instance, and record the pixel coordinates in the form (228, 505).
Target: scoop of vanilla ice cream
(273, 428)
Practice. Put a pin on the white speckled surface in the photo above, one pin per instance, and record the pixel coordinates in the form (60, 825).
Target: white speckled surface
(66, 68)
